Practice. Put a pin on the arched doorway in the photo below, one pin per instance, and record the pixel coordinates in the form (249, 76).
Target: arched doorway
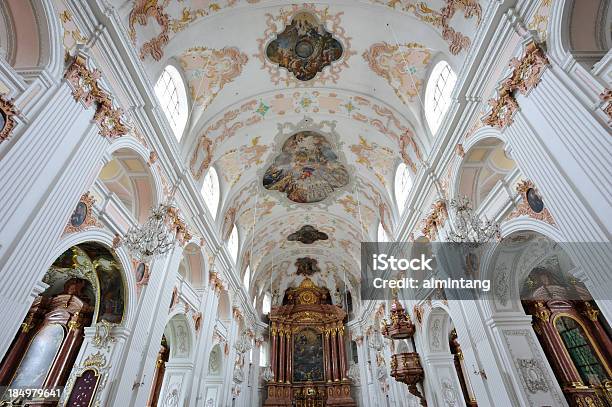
(571, 331)
(84, 286)
(178, 366)
(452, 386)
(546, 324)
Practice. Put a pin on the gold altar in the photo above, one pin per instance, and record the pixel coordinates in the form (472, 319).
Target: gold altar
(308, 355)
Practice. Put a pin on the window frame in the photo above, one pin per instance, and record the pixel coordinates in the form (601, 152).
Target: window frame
(179, 115)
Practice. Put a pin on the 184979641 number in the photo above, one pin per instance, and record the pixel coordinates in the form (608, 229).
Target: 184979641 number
(20, 394)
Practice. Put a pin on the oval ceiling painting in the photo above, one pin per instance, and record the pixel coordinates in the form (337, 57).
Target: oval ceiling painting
(307, 169)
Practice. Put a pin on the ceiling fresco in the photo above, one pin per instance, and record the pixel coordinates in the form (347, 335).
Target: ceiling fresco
(256, 69)
(315, 33)
(208, 70)
(223, 128)
(402, 66)
(304, 48)
(307, 169)
(153, 24)
(306, 266)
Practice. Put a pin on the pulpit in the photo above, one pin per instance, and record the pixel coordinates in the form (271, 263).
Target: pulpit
(308, 351)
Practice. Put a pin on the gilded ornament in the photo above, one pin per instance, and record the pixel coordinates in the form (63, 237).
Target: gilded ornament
(7, 117)
(435, 220)
(82, 217)
(606, 98)
(95, 360)
(526, 75)
(85, 88)
(527, 190)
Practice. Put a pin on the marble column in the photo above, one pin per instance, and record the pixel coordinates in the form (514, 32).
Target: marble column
(281, 364)
(327, 355)
(274, 356)
(334, 353)
(289, 370)
(342, 350)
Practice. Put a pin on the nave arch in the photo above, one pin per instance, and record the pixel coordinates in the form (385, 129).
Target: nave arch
(30, 37)
(88, 288)
(535, 282)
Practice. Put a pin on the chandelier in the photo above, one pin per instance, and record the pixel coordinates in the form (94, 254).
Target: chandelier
(469, 228)
(157, 235)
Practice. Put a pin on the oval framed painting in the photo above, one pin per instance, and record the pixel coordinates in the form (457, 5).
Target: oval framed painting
(534, 200)
(141, 269)
(79, 215)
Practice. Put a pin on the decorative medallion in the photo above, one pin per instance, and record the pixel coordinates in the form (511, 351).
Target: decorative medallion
(534, 200)
(532, 375)
(82, 217)
(305, 47)
(307, 170)
(306, 266)
(7, 114)
(527, 71)
(312, 47)
(308, 235)
(532, 204)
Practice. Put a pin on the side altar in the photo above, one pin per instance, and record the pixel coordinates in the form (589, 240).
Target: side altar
(308, 355)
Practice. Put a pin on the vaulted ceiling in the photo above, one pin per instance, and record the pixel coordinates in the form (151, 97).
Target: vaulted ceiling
(246, 101)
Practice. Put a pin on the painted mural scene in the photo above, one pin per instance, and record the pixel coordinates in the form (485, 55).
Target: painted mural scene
(342, 203)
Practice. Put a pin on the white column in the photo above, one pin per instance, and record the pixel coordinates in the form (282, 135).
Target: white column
(133, 386)
(567, 153)
(174, 385)
(204, 345)
(45, 172)
(516, 343)
(441, 379)
(228, 369)
(479, 354)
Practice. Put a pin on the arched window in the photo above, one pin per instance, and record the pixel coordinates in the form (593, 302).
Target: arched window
(403, 183)
(246, 280)
(382, 234)
(170, 91)
(210, 191)
(232, 243)
(438, 94)
(266, 306)
(581, 351)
